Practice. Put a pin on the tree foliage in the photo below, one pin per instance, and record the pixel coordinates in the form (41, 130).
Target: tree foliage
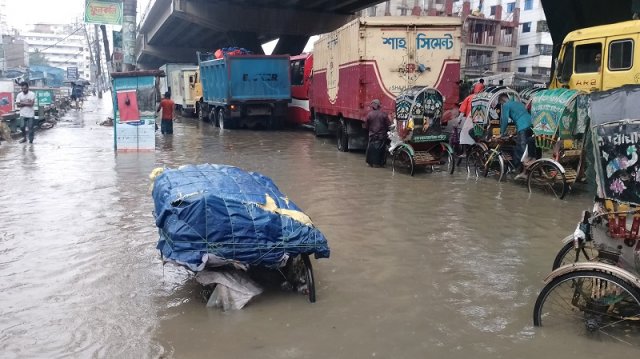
(38, 58)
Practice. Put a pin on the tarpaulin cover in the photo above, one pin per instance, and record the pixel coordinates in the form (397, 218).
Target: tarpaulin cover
(230, 213)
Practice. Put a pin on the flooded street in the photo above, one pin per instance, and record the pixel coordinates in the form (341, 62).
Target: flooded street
(433, 266)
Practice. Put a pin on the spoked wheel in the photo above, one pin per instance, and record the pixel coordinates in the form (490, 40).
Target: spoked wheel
(491, 164)
(591, 303)
(474, 159)
(548, 177)
(403, 161)
(451, 163)
(569, 254)
(311, 284)
(300, 275)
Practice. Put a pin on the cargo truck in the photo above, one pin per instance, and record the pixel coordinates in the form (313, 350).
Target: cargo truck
(179, 81)
(377, 58)
(244, 90)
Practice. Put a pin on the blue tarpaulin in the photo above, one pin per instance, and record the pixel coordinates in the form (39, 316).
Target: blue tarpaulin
(232, 214)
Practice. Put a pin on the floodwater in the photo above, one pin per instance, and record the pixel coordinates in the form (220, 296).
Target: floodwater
(434, 266)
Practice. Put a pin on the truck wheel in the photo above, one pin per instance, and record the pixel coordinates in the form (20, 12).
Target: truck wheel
(343, 137)
(222, 121)
(276, 122)
(212, 118)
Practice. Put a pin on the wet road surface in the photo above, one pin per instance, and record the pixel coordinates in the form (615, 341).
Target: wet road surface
(431, 266)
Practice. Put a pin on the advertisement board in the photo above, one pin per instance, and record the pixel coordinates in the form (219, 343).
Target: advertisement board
(134, 101)
(103, 12)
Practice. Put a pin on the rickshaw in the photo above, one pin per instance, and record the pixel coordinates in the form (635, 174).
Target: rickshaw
(595, 282)
(527, 94)
(418, 138)
(560, 120)
(485, 128)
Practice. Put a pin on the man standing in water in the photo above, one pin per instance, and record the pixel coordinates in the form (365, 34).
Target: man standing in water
(25, 101)
(166, 105)
(377, 122)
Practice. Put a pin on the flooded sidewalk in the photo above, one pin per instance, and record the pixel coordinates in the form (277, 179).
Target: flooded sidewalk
(426, 266)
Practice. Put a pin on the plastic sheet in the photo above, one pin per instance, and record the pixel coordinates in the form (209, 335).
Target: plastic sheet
(231, 214)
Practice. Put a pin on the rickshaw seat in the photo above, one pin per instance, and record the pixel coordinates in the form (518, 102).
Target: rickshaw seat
(618, 217)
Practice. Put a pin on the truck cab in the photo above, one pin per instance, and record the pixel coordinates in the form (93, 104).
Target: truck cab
(599, 58)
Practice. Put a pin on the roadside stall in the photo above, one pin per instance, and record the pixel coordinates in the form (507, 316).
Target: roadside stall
(134, 106)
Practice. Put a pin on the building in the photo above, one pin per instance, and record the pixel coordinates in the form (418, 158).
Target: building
(16, 52)
(62, 45)
(535, 46)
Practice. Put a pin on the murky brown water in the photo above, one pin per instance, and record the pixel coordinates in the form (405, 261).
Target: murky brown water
(432, 266)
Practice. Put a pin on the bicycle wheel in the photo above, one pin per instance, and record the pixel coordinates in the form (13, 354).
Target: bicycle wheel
(595, 304)
(474, 159)
(403, 161)
(547, 176)
(569, 254)
(492, 165)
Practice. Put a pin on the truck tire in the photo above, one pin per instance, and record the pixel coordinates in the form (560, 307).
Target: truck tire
(199, 111)
(276, 122)
(212, 118)
(343, 137)
(223, 123)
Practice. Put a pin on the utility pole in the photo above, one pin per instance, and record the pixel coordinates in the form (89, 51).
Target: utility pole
(129, 34)
(99, 72)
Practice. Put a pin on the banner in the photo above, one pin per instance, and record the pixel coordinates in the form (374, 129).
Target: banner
(118, 56)
(103, 12)
(554, 110)
(72, 73)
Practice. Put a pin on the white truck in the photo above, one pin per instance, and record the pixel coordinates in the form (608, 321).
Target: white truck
(179, 81)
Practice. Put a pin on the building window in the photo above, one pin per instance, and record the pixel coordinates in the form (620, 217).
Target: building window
(504, 61)
(588, 58)
(526, 27)
(493, 11)
(544, 49)
(524, 49)
(542, 26)
(510, 7)
(528, 4)
(522, 69)
(478, 58)
(621, 55)
(372, 11)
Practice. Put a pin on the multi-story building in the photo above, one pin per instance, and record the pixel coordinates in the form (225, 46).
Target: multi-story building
(62, 45)
(16, 51)
(535, 46)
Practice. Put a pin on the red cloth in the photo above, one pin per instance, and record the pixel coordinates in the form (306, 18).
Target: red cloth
(166, 105)
(477, 88)
(465, 107)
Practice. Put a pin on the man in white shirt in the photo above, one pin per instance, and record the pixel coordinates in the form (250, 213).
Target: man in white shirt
(25, 102)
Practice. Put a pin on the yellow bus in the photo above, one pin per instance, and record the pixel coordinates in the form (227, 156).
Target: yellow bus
(599, 58)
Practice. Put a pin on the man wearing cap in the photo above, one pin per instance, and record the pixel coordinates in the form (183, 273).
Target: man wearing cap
(377, 122)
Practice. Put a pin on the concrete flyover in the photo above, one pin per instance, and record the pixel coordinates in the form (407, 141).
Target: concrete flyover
(173, 30)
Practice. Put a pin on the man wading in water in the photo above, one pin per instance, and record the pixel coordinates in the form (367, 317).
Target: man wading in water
(377, 122)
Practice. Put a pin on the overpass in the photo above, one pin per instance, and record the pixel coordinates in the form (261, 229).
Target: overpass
(173, 30)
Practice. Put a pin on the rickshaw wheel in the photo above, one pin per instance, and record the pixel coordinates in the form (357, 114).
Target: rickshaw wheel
(569, 254)
(474, 157)
(548, 176)
(451, 163)
(596, 304)
(491, 164)
(311, 284)
(402, 159)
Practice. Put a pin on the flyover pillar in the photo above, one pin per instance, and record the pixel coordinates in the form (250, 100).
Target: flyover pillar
(290, 44)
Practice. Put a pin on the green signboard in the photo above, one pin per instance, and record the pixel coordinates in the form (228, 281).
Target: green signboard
(44, 97)
(554, 111)
(103, 12)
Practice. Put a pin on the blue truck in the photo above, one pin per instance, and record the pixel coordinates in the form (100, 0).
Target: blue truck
(244, 90)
